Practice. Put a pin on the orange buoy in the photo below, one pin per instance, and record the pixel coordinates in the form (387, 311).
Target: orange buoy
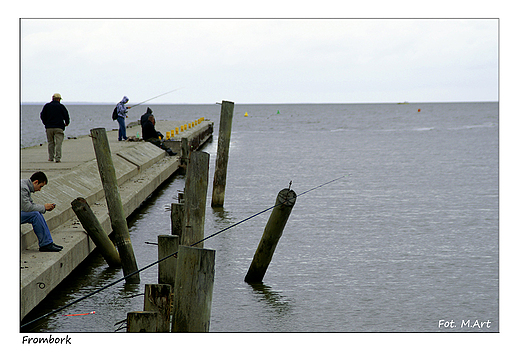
(419, 110)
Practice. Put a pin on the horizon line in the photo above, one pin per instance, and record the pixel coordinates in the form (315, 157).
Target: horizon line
(387, 102)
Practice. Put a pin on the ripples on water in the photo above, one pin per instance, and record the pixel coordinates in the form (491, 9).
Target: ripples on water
(408, 238)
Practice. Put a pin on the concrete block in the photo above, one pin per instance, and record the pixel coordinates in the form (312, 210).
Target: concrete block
(143, 155)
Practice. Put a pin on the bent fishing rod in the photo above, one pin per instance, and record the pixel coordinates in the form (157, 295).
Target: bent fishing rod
(160, 95)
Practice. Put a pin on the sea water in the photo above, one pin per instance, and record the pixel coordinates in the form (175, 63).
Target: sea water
(405, 241)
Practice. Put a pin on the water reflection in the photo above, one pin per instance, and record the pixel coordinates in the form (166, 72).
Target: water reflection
(281, 305)
(222, 216)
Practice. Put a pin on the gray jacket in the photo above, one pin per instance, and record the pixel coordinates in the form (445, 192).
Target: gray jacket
(27, 203)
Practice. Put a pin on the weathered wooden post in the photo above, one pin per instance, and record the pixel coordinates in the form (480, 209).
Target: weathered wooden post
(177, 218)
(168, 267)
(185, 154)
(114, 204)
(273, 231)
(224, 137)
(95, 231)
(141, 321)
(158, 298)
(195, 194)
(193, 291)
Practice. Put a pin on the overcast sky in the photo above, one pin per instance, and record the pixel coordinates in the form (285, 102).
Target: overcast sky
(260, 60)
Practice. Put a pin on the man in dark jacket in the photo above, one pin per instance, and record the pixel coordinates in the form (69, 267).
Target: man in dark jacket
(55, 117)
(146, 115)
(152, 136)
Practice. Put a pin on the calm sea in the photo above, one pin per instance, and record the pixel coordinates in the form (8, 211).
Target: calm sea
(407, 241)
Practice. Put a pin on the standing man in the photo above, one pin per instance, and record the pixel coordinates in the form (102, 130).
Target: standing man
(55, 117)
(32, 213)
(121, 116)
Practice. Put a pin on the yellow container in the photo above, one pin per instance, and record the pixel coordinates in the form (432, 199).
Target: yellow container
(189, 125)
(172, 133)
(176, 130)
(167, 135)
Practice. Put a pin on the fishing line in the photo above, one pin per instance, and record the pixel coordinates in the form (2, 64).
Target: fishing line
(160, 95)
(173, 254)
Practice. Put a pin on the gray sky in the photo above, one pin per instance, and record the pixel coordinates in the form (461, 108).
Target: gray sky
(260, 60)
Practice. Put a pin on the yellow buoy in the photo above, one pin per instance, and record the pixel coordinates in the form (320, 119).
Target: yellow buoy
(245, 115)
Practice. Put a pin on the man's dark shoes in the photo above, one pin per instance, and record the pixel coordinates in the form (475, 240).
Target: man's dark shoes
(51, 247)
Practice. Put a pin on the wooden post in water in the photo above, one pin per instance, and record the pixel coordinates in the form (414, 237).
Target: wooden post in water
(94, 230)
(193, 291)
(273, 231)
(141, 321)
(224, 137)
(114, 204)
(158, 298)
(195, 194)
(177, 218)
(167, 268)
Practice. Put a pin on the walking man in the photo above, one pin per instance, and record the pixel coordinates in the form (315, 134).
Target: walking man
(32, 213)
(55, 117)
(121, 116)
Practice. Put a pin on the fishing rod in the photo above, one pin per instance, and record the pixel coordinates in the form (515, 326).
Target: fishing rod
(175, 254)
(160, 95)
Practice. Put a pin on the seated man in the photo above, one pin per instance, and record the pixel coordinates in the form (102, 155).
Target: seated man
(146, 115)
(152, 136)
(32, 213)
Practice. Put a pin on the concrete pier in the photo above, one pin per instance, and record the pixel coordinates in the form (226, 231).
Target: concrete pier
(141, 167)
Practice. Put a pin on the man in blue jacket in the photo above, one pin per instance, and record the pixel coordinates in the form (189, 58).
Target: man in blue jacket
(32, 213)
(121, 116)
(55, 117)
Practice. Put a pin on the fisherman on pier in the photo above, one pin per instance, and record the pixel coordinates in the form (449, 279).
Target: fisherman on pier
(153, 136)
(121, 111)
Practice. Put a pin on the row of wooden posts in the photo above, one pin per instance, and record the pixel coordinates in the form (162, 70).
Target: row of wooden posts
(185, 281)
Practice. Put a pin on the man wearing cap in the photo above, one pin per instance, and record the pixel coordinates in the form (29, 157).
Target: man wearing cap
(55, 117)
